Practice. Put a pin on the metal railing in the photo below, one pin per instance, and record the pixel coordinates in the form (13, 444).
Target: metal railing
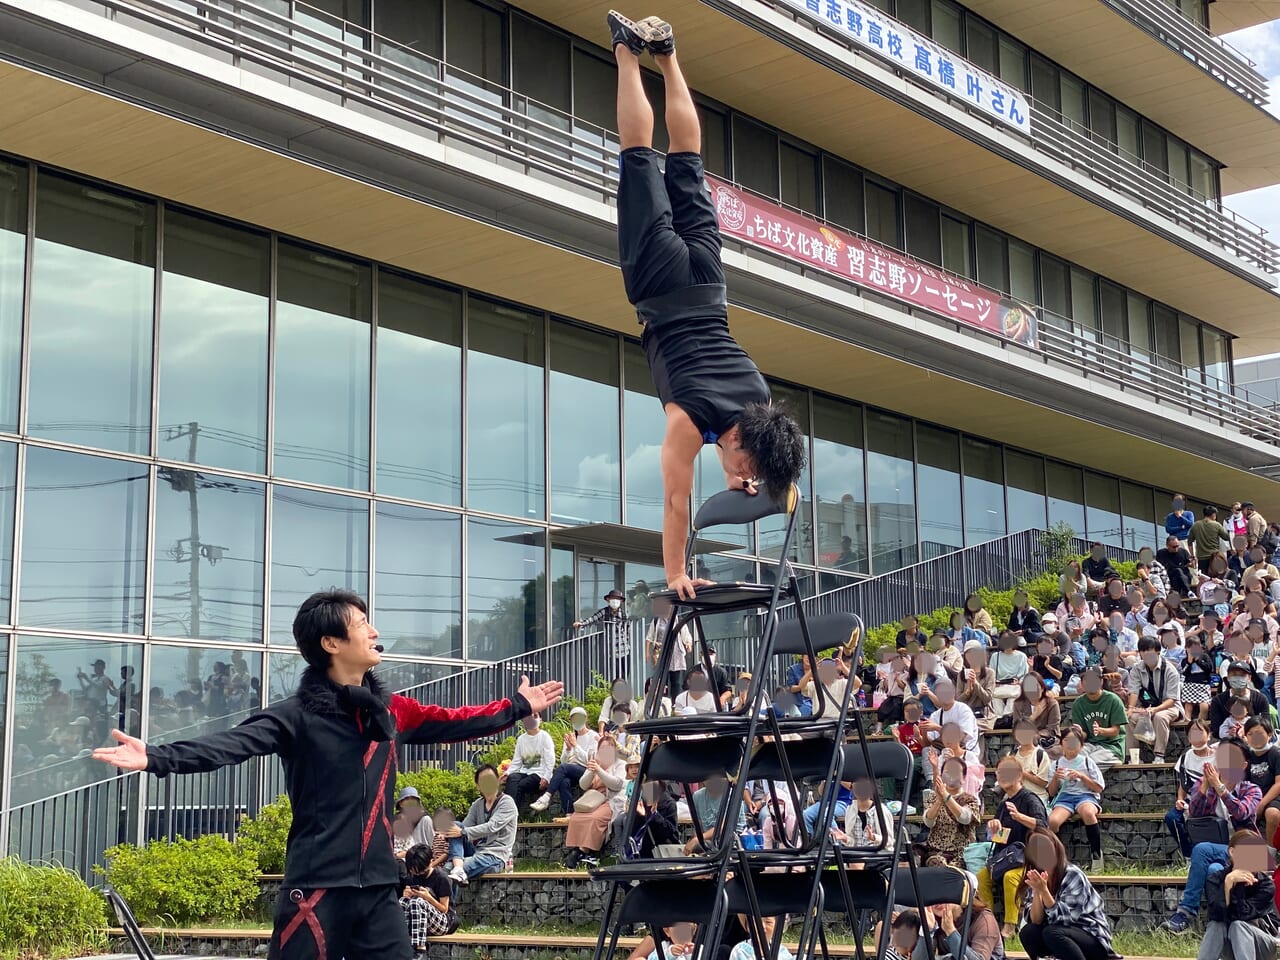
(1215, 56)
(1102, 161)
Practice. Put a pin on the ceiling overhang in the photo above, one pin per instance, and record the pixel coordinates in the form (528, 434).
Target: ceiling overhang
(1228, 15)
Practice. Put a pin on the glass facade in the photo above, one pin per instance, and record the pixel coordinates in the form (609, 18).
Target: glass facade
(325, 421)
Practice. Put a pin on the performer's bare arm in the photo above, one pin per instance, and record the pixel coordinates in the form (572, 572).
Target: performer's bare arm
(680, 448)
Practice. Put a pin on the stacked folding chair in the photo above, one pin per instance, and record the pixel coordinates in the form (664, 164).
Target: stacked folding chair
(791, 754)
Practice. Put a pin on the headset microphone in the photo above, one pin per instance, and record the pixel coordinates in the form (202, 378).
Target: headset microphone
(379, 647)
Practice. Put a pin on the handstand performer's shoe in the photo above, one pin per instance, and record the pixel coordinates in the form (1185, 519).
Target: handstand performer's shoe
(658, 36)
(623, 31)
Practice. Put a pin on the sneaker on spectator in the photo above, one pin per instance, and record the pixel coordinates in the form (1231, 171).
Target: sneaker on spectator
(1179, 923)
(589, 860)
(541, 803)
(571, 861)
(458, 875)
(1096, 865)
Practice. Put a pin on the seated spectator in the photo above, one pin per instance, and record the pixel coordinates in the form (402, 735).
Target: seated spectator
(1158, 618)
(443, 819)
(656, 821)
(1033, 758)
(409, 803)
(426, 899)
(619, 695)
(485, 839)
(1009, 665)
(770, 803)
(1176, 560)
(909, 734)
(746, 950)
(532, 764)
(1239, 675)
(977, 682)
(867, 825)
(802, 667)
(1024, 621)
(578, 748)
(1073, 580)
(678, 944)
(1243, 922)
(1135, 617)
(1153, 579)
(1233, 727)
(1177, 609)
(1100, 718)
(1018, 812)
(983, 943)
(1074, 615)
(948, 652)
(952, 816)
(922, 675)
(1097, 567)
(1171, 648)
(1262, 760)
(1188, 770)
(1155, 692)
(844, 797)
(1035, 706)
(954, 727)
(1122, 638)
(976, 615)
(1206, 630)
(1222, 789)
(1064, 913)
(892, 688)
(1049, 666)
(1197, 680)
(604, 784)
(1113, 598)
(1115, 674)
(961, 633)
(401, 835)
(910, 633)
(1076, 785)
(834, 686)
(664, 704)
(707, 801)
(697, 696)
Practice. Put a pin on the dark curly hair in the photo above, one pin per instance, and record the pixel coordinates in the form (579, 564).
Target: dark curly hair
(776, 444)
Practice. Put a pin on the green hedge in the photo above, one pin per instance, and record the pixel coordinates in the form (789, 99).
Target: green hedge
(184, 882)
(266, 835)
(48, 911)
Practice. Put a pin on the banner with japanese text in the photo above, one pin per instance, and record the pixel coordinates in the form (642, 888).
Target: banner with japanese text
(919, 56)
(870, 265)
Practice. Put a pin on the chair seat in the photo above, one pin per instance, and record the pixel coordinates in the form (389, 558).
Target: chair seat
(807, 760)
(668, 869)
(776, 893)
(718, 596)
(719, 723)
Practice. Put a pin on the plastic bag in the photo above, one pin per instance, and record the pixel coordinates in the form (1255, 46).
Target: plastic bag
(1143, 729)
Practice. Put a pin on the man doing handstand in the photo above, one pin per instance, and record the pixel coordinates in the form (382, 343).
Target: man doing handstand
(669, 245)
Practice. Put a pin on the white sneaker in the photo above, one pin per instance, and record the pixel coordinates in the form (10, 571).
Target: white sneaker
(541, 803)
(458, 875)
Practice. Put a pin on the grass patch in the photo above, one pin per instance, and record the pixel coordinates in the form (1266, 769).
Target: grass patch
(1134, 869)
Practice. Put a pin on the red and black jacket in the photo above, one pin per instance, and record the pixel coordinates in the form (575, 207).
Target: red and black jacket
(338, 748)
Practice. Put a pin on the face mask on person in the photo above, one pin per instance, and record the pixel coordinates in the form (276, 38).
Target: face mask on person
(712, 658)
(578, 722)
(614, 604)
(1238, 683)
(1257, 740)
(1151, 659)
(1197, 737)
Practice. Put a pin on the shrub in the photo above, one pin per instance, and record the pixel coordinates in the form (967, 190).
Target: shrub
(266, 835)
(183, 882)
(455, 789)
(48, 911)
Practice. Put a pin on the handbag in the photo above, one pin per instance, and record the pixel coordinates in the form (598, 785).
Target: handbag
(1004, 858)
(1208, 830)
(590, 801)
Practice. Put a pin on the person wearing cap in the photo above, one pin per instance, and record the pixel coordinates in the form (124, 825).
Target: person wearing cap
(1100, 717)
(1240, 687)
(532, 764)
(577, 749)
(615, 625)
(409, 805)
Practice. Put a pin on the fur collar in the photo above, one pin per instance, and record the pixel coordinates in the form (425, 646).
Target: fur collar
(319, 694)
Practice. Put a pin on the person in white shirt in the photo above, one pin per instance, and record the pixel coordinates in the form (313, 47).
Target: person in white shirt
(535, 758)
(697, 696)
(620, 695)
(578, 749)
(673, 670)
(962, 727)
(833, 688)
(1010, 665)
(866, 825)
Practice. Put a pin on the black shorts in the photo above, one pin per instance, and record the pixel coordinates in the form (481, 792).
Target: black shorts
(668, 235)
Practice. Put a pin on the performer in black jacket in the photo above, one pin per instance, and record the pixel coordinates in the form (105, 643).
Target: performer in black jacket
(337, 739)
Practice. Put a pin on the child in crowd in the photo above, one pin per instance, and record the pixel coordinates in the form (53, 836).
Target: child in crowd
(1076, 785)
(1033, 758)
(1188, 770)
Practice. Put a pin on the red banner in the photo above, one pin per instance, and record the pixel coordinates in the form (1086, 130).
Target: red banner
(870, 265)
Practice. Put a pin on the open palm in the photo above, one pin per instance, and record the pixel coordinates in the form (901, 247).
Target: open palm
(542, 696)
(131, 754)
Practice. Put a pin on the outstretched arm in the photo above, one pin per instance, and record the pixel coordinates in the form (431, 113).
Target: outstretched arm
(680, 448)
(262, 734)
(428, 723)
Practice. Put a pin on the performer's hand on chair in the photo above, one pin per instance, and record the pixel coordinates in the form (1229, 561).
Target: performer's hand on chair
(743, 483)
(130, 755)
(687, 587)
(542, 696)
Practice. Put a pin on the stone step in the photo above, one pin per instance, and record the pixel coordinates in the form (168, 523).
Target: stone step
(999, 742)
(1141, 788)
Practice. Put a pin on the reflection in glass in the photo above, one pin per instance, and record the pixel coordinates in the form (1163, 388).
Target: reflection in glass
(91, 305)
(718, 626)
(286, 671)
(585, 479)
(318, 541)
(418, 581)
(1102, 508)
(890, 492)
(506, 589)
(419, 390)
(839, 490)
(84, 543)
(1138, 510)
(208, 556)
(1066, 496)
(643, 426)
(71, 694)
(564, 605)
(8, 498)
(213, 343)
(1025, 491)
(772, 529)
(322, 368)
(983, 491)
(13, 254)
(505, 410)
(938, 474)
(199, 690)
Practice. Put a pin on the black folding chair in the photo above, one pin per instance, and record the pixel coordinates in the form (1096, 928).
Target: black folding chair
(857, 893)
(130, 925)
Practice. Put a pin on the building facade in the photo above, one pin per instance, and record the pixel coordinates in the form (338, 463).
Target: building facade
(293, 297)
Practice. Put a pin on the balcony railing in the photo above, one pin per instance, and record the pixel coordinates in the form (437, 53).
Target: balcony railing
(1104, 162)
(1215, 56)
(465, 110)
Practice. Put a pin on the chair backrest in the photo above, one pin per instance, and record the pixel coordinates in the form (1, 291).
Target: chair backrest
(889, 760)
(826, 631)
(663, 902)
(937, 885)
(130, 925)
(737, 507)
(777, 893)
(693, 760)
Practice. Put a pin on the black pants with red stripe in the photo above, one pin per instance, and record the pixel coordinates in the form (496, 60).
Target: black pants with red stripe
(343, 922)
